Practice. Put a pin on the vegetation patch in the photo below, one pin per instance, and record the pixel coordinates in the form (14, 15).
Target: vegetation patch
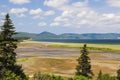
(91, 47)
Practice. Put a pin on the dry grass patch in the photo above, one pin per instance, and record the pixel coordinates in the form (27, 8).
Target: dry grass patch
(107, 66)
(96, 56)
(66, 67)
(50, 65)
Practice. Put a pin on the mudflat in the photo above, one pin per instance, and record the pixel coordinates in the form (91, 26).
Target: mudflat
(62, 61)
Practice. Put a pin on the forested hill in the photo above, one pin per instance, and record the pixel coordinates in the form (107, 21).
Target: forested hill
(48, 35)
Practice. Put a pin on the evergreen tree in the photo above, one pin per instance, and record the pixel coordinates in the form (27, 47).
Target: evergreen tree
(118, 74)
(8, 44)
(84, 67)
(99, 75)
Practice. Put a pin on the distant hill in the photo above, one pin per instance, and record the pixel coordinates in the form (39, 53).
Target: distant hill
(48, 35)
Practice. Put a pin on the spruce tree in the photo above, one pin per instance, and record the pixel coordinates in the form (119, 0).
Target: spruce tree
(84, 67)
(8, 44)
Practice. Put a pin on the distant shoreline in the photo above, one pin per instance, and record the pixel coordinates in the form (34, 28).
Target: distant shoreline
(60, 42)
(81, 41)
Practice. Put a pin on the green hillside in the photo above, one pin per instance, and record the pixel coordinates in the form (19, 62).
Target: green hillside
(48, 35)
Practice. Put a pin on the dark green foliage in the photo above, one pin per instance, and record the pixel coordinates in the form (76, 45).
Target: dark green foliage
(118, 74)
(70, 78)
(40, 76)
(105, 77)
(22, 38)
(80, 78)
(84, 67)
(10, 75)
(7, 54)
(90, 36)
(47, 35)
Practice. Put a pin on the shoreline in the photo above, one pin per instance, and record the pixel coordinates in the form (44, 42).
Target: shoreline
(32, 41)
(50, 42)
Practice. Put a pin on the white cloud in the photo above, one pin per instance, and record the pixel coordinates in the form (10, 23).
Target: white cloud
(55, 3)
(114, 3)
(18, 10)
(110, 15)
(19, 1)
(21, 15)
(79, 14)
(50, 12)
(64, 4)
(78, 19)
(82, 13)
(42, 24)
(72, 14)
(67, 13)
(3, 13)
(55, 24)
(80, 4)
(39, 13)
(36, 11)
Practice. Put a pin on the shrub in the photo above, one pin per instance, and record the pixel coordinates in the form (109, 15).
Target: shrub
(106, 77)
(80, 78)
(40, 76)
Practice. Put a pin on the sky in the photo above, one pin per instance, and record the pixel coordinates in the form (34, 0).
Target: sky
(63, 16)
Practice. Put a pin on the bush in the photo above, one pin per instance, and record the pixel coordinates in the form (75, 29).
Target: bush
(106, 77)
(10, 76)
(80, 78)
(39, 76)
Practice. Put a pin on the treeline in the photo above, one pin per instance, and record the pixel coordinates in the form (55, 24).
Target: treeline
(68, 36)
(39, 76)
(22, 38)
(9, 70)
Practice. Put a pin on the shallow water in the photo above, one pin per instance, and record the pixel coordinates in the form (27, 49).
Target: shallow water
(92, 41)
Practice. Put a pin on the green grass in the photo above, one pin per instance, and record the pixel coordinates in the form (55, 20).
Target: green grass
(22, 60)
(91, 47)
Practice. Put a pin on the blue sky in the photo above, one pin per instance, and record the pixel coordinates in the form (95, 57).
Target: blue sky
(63, 16)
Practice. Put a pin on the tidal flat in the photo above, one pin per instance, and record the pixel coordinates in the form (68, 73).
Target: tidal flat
(45, 57)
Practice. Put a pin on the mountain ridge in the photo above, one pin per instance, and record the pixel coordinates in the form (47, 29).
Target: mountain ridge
(49, 35)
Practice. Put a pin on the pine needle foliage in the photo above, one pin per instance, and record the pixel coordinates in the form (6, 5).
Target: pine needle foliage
(84, 66)
(8, 44)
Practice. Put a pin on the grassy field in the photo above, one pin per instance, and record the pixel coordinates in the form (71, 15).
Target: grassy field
(65, 66)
